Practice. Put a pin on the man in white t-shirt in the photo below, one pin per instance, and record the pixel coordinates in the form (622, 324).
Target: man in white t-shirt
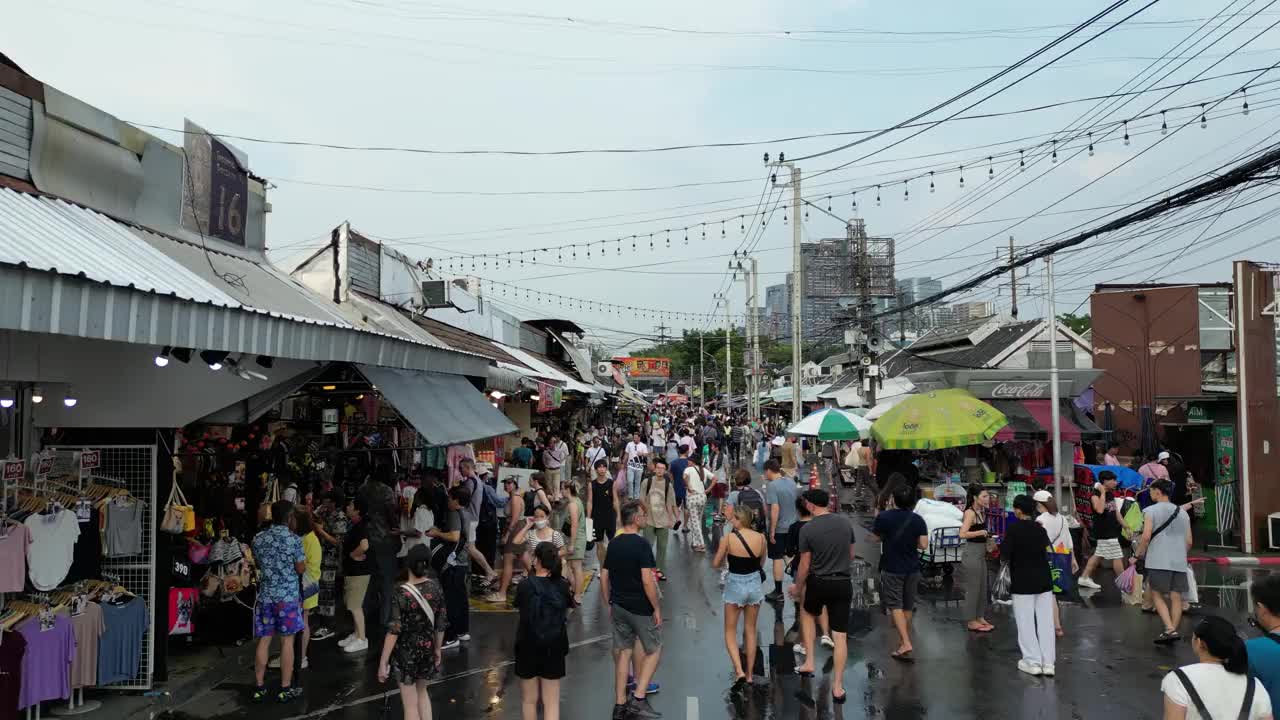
(658, 436)
(596, 451)
(637, 454)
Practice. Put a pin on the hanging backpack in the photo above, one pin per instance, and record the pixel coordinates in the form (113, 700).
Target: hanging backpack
(1133, 519)
(548, 611)
(750, 497)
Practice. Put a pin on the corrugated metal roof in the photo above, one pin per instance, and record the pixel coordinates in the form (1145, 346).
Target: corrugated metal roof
(44, 233)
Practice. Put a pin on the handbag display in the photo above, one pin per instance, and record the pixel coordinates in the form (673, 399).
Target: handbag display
(271, 496)
(179, 515)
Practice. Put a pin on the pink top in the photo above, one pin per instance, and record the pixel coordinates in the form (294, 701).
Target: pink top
(13, 559)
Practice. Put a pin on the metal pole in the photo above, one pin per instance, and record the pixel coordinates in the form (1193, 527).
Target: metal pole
(1054, 398)
(1013, 281)
(702, 372)
(728, 351)
(797, 297)
(755, 341)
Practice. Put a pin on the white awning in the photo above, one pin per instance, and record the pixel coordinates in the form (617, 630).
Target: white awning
(545, 370)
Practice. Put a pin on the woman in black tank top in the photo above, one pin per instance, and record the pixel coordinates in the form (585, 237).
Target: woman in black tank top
(977, 587)
(744, 549)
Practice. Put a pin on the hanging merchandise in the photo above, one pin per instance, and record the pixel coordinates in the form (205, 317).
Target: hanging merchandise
(179, 515)
(120, 647)
(182, 610)
(271, 496)
(88, 626)
(15, 541)
(13, 650)
(51, 646)
(122, 534)
(52, 549)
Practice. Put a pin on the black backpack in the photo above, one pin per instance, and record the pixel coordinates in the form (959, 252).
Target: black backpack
(548, 610)
(750, 497)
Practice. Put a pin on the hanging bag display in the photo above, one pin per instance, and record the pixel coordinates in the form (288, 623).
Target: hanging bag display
(269, 498)
(178, 513)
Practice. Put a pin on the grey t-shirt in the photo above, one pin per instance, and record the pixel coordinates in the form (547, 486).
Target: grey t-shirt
(828, 537)
(123, 535)
(783, 493)
(1168, 550)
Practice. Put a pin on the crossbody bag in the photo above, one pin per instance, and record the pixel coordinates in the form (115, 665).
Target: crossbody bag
(750, 554)
(1142, 561)
(422, 603)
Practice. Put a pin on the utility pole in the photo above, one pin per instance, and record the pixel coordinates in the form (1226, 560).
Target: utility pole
(662, 333)
(797, 288)
(728, 347)
(702, 372)
(1013, 280)
(1054, 395)
(857, 230)
(751, 286)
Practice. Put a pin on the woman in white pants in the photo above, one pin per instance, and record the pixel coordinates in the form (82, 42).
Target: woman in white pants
(1031, 586)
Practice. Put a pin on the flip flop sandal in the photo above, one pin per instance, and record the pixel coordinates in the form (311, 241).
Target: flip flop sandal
(903, 657)
(839, 699)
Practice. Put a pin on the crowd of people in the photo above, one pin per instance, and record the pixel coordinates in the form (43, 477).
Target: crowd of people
(622, 494)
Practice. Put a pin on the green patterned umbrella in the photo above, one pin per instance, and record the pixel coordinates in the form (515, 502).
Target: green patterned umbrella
(936, 420)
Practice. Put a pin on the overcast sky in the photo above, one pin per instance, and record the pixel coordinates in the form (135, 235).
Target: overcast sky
(570, 75)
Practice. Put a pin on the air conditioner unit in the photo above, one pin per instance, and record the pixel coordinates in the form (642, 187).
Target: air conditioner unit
(604, 368)
(448, 294)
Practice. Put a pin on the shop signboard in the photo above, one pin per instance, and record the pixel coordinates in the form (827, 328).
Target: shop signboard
(329, 423)
(647, 367)
(1198, 413)
(14, 470)
(90, 459)
(1224, 453)
(44, 465)
(1011, 389)
(215, 187)
(549, 397)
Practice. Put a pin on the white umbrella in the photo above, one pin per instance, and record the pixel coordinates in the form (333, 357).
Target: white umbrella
(832, 424)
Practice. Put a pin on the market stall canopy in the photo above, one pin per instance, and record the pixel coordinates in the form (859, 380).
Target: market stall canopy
(444, 409)
(1032, 420)
(832, 424)
(1022, 424)
(545, 370)
(937, 420)
(808, 393)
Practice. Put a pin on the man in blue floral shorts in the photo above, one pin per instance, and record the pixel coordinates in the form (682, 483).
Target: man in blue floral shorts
(281, 561)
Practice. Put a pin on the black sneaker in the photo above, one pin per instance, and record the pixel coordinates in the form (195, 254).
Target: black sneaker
(676, 527)
(288, 695)
(640, 707)
(259, 694)
(620, 712)
(774, 596)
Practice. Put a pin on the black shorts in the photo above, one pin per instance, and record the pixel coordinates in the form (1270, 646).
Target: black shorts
(835, 595)
(605, 527)
(778, 550)
(534, 661)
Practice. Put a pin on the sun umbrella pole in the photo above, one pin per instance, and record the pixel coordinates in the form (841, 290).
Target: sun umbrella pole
(1054, 395)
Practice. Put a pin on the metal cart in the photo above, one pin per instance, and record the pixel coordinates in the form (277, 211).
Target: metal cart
(938, 563)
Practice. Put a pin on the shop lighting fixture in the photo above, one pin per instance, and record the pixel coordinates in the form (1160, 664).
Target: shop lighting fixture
(535, 398)
(214, 358)
(6, 396)
(70, 399)
(37, 395)
(328, 387)
(360, 396)
(266, 361)
(162, 357)
(497, 395)
(182, 355)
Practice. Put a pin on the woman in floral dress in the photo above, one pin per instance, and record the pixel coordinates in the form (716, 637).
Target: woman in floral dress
(415, 636)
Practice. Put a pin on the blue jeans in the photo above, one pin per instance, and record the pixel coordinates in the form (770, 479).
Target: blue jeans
(634, 474)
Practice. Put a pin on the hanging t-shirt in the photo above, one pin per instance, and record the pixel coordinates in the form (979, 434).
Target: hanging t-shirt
(123, 535)
(13, 558)
(53, 540)
(46, 666)
(13, 646)
(87, 562)
(88, 627)
(120, 647)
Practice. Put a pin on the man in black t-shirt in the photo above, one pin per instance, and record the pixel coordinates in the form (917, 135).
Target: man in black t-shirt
(1106, 529)
(629, 584)
(903, 534)
(825, 573)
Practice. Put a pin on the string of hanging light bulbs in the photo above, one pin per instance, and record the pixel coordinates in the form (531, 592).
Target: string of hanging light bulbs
(501, 289)
(662, 239)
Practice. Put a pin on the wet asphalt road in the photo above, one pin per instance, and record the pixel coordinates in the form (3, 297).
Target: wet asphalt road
(1107, 665)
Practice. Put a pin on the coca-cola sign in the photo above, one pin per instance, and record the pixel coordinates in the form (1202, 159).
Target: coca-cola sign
(1012, 389)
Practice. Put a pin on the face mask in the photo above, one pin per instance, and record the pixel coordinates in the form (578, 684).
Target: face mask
(540, 524)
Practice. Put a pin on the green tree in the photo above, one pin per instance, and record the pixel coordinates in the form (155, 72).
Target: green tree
(1078, 324)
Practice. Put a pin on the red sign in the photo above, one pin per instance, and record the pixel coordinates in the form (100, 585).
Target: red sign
(90, 459)
(44, 466)
(642, 367)
(14, 470)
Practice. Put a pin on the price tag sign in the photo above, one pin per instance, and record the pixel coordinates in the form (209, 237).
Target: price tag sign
(44, 466)
(90, 459)
(14, 470)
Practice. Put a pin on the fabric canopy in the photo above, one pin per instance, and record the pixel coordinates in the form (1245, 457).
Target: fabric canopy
(1042, 411)
(1022, 426)
(444, 409)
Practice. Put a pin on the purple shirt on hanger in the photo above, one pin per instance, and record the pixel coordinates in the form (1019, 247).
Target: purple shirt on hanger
(46, 666)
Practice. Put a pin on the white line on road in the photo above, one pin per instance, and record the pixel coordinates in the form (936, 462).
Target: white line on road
(691, 708)
(322, 712)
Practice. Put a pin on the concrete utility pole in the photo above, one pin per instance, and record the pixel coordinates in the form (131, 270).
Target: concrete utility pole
(870, 340)
(751, 286)
(702, 372)
(1054, 395)
(1013, 280)
(728, 346)
(797, 288)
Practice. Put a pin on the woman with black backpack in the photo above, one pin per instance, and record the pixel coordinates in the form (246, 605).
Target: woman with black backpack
(542, 638)
(1218, 685)
(415, 635)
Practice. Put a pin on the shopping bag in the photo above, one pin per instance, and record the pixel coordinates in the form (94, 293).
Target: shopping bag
(1126, 579)
(1133, 519)
(271, 496)
(1060, 566)
(1134, 596)
(177, 512)
(1000, 589)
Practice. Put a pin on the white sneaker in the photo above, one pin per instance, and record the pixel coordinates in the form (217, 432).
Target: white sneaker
(1046, 670)
(347, 640)
(798, 649)
(464, 637)
(357, 646)
(1089, 583)
(1029, 667)
(827, 642)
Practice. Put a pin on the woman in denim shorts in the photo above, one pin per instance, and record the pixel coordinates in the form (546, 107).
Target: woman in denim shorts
(744, 550)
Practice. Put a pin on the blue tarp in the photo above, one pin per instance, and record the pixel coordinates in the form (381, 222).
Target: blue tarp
(1127, 479)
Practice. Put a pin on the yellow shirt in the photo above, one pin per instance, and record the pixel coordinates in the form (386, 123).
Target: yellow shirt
(311, 549)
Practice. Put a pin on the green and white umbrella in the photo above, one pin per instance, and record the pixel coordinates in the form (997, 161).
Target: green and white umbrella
(832, 424)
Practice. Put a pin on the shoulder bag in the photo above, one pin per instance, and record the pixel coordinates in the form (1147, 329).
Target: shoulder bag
(178, 513)
(1142, 561)
(1246, 710)
(422, 603)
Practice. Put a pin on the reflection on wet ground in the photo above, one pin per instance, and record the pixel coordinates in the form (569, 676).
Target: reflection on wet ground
(1107, 664)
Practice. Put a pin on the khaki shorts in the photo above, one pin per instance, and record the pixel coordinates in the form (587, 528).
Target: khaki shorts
(353, 590)
(627, 627)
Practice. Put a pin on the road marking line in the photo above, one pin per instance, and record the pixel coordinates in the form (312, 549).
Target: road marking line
(322, 712)
(691, 708)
